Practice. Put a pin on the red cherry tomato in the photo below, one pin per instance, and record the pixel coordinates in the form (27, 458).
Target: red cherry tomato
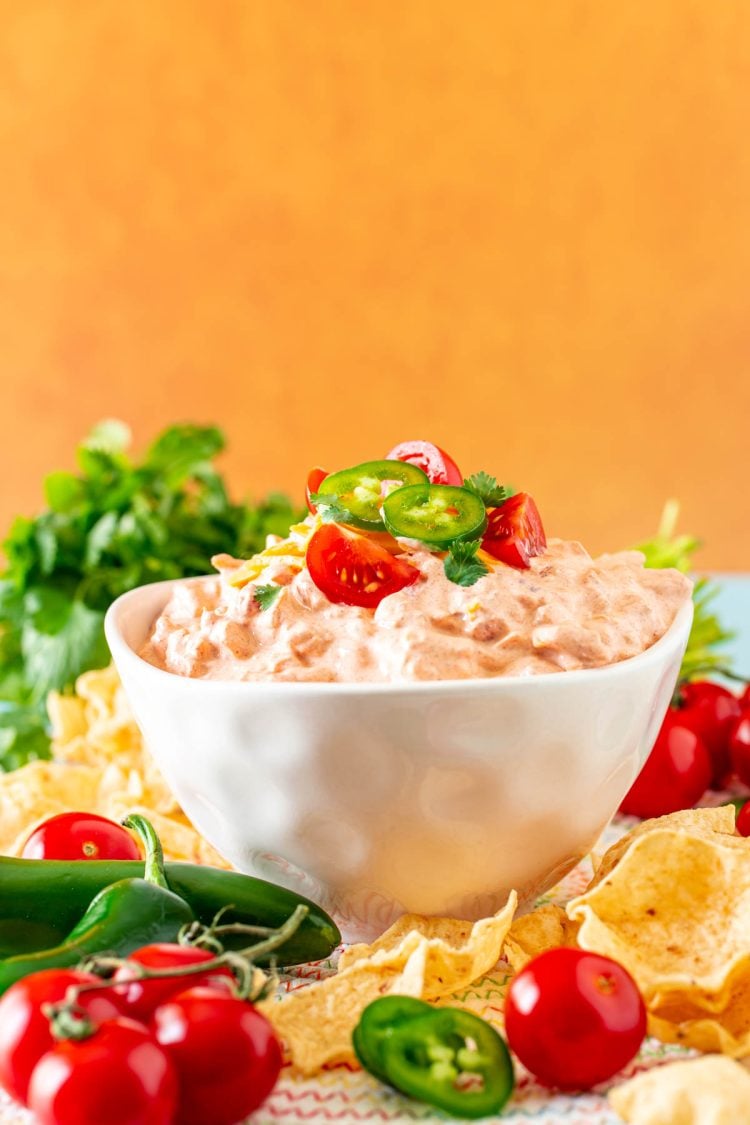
(742, 823)
(25, 1031)
(431, 459)
(119, 1075)
(225, 1052)
(139, 998)
(676, 774)
(710, 709)
(514, 531)
(745, 698)
(79, 835)
(574, 1018)
(315, 478)
(352, 569)
(739, 746)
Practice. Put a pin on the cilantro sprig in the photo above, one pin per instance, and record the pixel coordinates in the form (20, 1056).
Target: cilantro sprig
(487, 489)
(461, 564)
(265, 596)
(115, 524)
(330, 508)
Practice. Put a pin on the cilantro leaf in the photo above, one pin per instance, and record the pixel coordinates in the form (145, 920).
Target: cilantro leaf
(265, 596)
(329, 508)
(487, 489)
(461, 564)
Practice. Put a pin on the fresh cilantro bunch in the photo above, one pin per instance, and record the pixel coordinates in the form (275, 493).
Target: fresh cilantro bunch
(115, 524)
(706, 647)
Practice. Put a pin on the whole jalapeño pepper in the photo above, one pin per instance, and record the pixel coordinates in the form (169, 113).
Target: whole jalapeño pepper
(124, 916)
(447, 1057)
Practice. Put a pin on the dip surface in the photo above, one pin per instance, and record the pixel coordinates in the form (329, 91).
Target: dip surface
(567, 611)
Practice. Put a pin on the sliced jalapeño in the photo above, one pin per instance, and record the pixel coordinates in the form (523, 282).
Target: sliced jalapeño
(436, 514)
(356, 494)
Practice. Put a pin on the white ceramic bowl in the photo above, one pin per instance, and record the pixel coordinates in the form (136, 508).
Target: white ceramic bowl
(375, 799)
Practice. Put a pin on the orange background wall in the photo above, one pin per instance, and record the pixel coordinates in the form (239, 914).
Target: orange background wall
(521, 229)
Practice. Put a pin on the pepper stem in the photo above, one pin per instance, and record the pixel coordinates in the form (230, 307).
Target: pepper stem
(68, 1021)
(154, 862)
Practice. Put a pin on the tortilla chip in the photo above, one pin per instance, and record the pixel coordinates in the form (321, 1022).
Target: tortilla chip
(316, 1022)
(713, 1091)
(423, 957)
(37, 791)
(457, 952)
(546, 928)
(695, 1019)
(708, 823)
(675, 911)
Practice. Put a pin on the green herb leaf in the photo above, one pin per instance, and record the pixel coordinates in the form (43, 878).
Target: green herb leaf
(329, 508)
(487, 489)
(461, 564)
(265, 596)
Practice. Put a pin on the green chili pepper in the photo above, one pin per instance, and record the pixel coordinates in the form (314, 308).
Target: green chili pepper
(446, 1057)
(42, 899)
(124, 916)
(358, 494)
(438, 514)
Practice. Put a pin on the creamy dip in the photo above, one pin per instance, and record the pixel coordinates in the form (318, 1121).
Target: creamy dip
(566, 611)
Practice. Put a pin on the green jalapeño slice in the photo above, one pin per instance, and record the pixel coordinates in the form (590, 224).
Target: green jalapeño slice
(357, 494)
(437, 514)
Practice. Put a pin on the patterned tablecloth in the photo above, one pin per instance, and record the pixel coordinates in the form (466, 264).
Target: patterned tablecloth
(347, 1095)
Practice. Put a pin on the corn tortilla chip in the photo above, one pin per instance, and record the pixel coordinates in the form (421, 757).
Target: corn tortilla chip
(712, 1091)
(546, 928)
(675, 911)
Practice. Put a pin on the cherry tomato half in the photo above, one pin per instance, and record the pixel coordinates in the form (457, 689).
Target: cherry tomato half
(139, 998)
(315, 478)
(676, 774)
(431, 459)
(225, 1052)
(515, 532)
(119, 1075)
(79, 835)
(574, 1018)
(710, 709)
(25, 1033)
(351, 569)
(738, 743)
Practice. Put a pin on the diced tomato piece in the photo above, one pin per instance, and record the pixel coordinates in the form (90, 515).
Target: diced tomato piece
(515, 532)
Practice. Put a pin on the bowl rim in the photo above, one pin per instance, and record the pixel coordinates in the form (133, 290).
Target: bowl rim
(121, 651)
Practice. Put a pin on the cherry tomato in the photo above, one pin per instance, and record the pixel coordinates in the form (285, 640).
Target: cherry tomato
(315, 478)
(574, 1018)
(515, 532)
(351, 569)
(745, 698)
(710, 709)
(435, 462)
(742, 823)
(739, 746)
(139, 998)
(225, 1052)
(119, 1075)
(25, 1031)
(676, 774)
(79, 835)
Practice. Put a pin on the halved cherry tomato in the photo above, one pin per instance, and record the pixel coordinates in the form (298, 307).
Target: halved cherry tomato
(139, 997)
(431, 459)
(350, 569)
(676, 774)
(515, 532)
(25, 1033)
(710, 709)
(119, 1075)
(79, 835)
(315, 478)
(225, 1052)
(574, 1018)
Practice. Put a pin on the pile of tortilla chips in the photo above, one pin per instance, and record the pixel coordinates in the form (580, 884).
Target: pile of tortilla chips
(99, 765)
